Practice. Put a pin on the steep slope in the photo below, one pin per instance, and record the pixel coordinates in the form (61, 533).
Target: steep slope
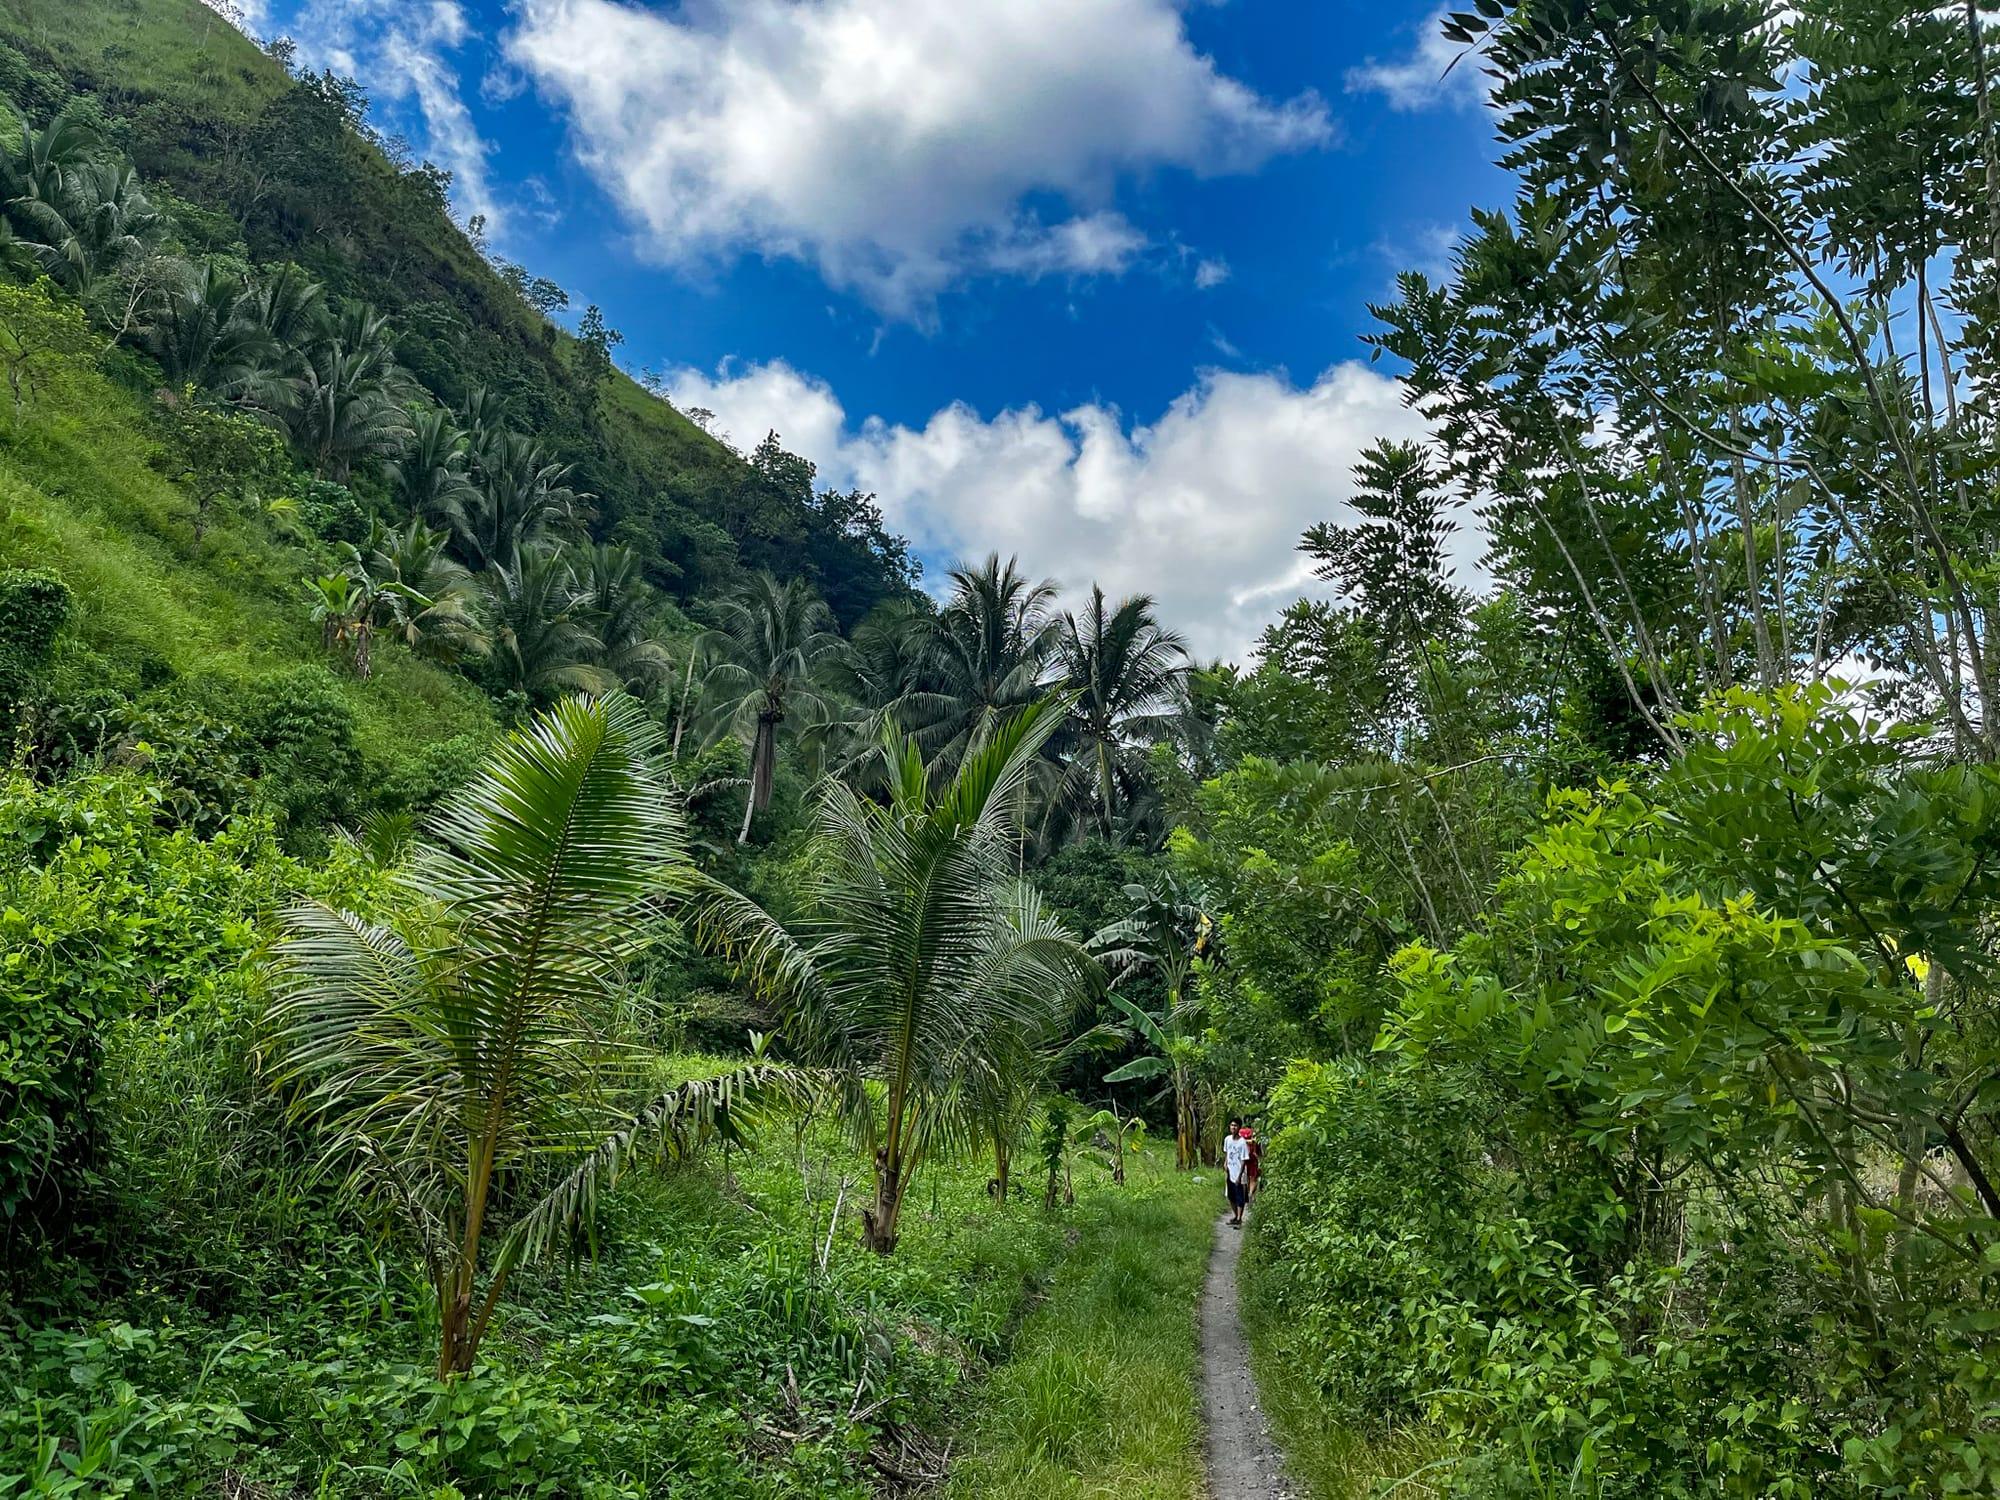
(283, 169)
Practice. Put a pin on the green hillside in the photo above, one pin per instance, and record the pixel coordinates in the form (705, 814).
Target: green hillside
(280, 170)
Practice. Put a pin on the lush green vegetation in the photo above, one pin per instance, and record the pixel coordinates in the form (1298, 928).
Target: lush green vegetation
(1097, 1397)
(536, 961)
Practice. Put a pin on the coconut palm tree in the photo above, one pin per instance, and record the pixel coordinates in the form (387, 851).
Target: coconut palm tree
(344, 408)
(432, 477)
(291, 309)
(767, 661)
(618, 605)
(922, 963)
(521, 495)
(470, 1065)
(98, 224)
(1127, 678)
(34, 163)
(988, 656)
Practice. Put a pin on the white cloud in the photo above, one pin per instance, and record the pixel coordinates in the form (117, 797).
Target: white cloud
(400, 50)
(1202, 507)
(1211, 273)
(1436, 71)
(897, 145)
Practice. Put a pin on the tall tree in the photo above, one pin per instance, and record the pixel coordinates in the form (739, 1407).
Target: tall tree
(768, 657)
(1126, 675)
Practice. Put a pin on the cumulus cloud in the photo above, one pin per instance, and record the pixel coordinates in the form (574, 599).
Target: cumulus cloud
(898, 146)
(1435, 72)
(401, 50)
(1201, 507)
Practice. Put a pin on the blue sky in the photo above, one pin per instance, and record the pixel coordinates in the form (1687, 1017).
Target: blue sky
(1078, 279)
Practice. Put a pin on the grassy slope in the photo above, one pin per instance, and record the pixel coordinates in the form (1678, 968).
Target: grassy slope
(1100, 1396)
(177, 51)
(77, 495)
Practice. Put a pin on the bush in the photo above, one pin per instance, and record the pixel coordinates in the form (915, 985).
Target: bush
(34, 607)
(303, 751)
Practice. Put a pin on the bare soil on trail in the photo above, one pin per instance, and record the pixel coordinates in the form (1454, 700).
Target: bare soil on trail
(1243, 1458)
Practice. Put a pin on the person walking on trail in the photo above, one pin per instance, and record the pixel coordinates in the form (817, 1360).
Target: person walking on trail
(1253, 1170)
(1236, 1166)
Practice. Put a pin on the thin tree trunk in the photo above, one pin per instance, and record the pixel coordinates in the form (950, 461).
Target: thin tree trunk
(680, 710)
(880, 1222)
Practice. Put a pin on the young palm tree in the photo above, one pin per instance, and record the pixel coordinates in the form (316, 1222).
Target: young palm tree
(618, 605)
(291, 309)
(766, 662)
(203, 328)
(923, 963)
(97, 225)
(542, 644)
(34, 163)
(520, 496)
(431, 477)
(425, 596)
(345, 406)
(1168, 933)
(1128, 678)
(468, 1065)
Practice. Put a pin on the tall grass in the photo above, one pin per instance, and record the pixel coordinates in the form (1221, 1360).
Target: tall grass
(1100, 1397)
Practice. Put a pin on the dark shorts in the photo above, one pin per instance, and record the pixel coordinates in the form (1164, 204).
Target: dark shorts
(1239, 1194)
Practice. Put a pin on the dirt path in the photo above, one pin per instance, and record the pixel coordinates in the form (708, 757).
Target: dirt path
(1243, 1458)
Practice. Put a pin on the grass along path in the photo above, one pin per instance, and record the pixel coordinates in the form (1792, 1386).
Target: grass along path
(1100, 1398)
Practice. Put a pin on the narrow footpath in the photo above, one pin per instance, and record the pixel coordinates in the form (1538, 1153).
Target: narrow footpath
(1243, 1458)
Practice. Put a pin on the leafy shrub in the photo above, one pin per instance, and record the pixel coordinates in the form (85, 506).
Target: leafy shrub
(102, 914)
(34, 607)
(332, 512)
(303, 751)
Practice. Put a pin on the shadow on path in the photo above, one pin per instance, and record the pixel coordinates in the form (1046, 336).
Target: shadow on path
(1243, 1458)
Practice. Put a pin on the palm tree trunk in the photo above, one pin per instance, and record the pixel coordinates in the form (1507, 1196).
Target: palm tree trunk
(1003, 1162)
(749, 807)
(879, 1223)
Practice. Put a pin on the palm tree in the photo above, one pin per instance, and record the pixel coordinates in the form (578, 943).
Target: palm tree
(988, 656)
(521, 495)
(203, 328)
(470, 1065)
(291, 309)
(344, 407)
(618, 605)
(96, 226)
(34, 163)
(767, 659)
(1127, 676)
(1167, 933)
(922, 962)
(431, 477)
(542, 645)
(425, 596)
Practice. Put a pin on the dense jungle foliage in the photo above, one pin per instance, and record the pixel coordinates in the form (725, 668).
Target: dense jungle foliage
(538, 961)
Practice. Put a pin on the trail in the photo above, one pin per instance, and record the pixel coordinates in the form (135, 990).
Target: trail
(1243, 1458)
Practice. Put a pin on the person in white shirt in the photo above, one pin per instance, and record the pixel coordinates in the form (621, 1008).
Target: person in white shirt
(1235, 1166)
